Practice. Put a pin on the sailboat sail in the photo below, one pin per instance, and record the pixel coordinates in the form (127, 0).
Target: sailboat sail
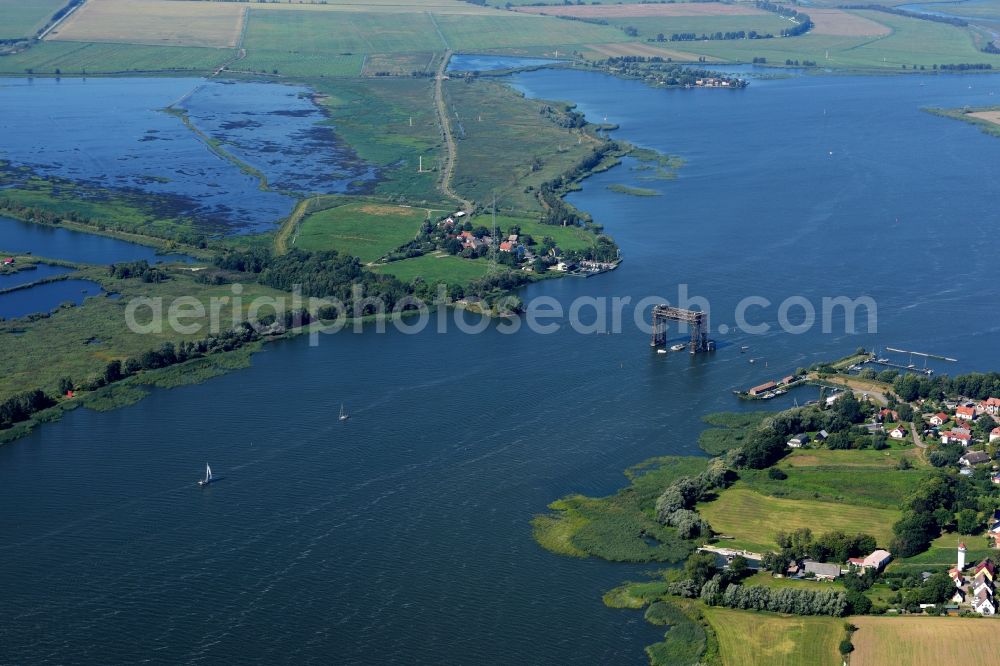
(208, 473)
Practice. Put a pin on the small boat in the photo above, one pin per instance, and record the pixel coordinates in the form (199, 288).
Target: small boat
(208, 477)
(780, 392)
(343, 414)
(678, 347)
(661, 351)
(744, 349)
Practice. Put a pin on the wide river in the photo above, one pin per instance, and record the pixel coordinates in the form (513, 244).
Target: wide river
(402, 535)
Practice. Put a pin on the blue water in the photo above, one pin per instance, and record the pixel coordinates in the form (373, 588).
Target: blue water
(45, 298)
(23, 277)
(935, 8)
(19, 237)
(402, 536)
(488, 63)
(279, 130)
(110, 133)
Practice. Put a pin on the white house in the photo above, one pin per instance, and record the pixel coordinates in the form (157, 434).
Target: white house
(939, 419)
(798, 441)
(983, 604)
(877, 560)
(899, 432)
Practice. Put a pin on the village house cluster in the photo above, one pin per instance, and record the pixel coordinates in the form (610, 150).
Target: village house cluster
(975, 588)
(876, 560)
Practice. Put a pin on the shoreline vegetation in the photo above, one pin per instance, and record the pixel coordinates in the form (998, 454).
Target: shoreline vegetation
(767, 505)
(986, 118)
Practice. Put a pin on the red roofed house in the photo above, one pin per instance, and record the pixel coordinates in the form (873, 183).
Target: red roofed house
(985, 567)
(949, 437)
(506, 246)
(8, 261)
(995, 434)
(889, 414)
(965, 413)
(939, 419)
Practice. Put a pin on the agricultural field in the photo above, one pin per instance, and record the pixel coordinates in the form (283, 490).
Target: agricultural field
(77, 58)
(154, 22)
(753, 519)
(390, 123)
(327, 33)
(912, 42)
(401, 64)
(302, 65)
(21, 18)
(486, 165)
(748, 638)
(924, 641)
(846, 24)
(649, 28)
(365, 230)
(507, 30)
(635, 10)
(436, 268)
(647, 50)
(380, 6)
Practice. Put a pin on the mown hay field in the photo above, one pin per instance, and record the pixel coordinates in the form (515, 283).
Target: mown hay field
(924, 641)
(155, 22)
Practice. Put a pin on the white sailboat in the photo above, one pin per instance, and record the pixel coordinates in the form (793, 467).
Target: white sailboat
(343, 414)
(208, 477)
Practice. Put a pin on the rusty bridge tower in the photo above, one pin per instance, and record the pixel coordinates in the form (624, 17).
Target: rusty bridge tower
(697, 323)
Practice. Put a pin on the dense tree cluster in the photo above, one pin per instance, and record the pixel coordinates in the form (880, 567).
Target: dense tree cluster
(951, 20)
(976, 385)
(804, 22)
(776, 600)
(675, 505)
(20, 407)
(137, 269)
(718, 35)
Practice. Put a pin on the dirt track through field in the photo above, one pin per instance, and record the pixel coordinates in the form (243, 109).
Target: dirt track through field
(628, 11)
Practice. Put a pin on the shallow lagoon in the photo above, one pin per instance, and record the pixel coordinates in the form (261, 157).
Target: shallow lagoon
(18, 237)
(113, 133)
(46, 297)
(488, 63)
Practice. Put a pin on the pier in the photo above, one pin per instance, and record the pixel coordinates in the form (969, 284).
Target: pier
(695, 320)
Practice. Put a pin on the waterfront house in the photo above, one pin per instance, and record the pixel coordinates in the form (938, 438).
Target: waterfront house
(822, 570)
(974, 458)
(899, 432)
(939, 419)
(9, 261)
(789, 379)
(763, 388)
(965, 413)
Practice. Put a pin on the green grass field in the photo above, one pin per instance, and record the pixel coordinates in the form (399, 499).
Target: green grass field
(292, 63)
(753, 520)
(611, 527)
(24, 18)
(437, 268)
(866, 478)
(912, 42)
(729, 431)
(92, 58)
(942, 555)
(748, 638)
(491, 118)
(365, 230)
